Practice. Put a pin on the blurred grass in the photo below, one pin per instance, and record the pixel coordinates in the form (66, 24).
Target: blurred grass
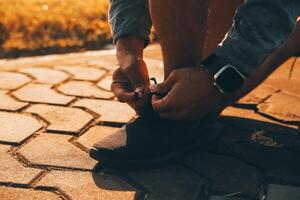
(30, 27)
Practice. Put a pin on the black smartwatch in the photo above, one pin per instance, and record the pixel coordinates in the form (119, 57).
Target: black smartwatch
(227, 78)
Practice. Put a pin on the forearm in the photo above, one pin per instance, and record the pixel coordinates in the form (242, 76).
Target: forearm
(130, 45)
(272, 62)
(260, 27)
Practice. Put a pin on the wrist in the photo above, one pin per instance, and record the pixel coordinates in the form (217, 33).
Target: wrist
(227, 78)
(129, 45)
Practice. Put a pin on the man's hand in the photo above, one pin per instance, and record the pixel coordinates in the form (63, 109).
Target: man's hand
(190, 95)
(131, 77)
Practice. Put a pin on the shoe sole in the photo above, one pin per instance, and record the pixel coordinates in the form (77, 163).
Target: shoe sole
(201, 144)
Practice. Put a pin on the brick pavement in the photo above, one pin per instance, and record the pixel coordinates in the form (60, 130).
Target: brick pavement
(52, 109)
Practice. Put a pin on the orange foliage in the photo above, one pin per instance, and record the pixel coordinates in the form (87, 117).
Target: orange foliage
(42, 24)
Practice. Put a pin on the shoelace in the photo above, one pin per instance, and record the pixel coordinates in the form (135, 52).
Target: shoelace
(136, 93)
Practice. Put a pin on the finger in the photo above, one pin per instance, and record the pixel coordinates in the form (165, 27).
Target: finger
(136, 85)
(160, 104)
(136, 74)
(164, 87)
(139, 67)
(135, 108)
(119, 77)
(121, 92)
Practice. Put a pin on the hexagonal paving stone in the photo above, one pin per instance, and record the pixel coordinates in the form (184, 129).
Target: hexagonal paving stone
(94, 134)
(282, 106)
(107, 61)
(153, 51)
(109, 111)
(245, 118)
(17, 127)
(61, 119)
(83, 73)
(258, 95)
(280, 78)
(155, 69)
(13, 171)
(171, 182)
(84, 89)
(12, 80)
(290, 86)
(282, 72)
(56, 150)
(40, 93)
(106, 82)
(86, 186)
(10, 104)
(296, 70)
(283, 192)
(227, 174)
(12, 193)
(45, 75)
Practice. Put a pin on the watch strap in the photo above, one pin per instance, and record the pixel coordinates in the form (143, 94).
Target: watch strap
(213, 64)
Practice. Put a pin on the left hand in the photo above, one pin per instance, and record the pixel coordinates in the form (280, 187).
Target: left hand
(190, 95)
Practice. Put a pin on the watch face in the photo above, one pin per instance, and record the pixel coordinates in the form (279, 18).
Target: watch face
(229, 80)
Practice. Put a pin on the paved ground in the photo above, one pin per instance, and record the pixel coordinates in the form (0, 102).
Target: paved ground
(54, 107)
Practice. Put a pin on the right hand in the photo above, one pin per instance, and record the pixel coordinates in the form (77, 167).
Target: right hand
(131, 76)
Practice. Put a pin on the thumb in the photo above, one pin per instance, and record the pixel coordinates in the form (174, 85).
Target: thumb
(164, 87)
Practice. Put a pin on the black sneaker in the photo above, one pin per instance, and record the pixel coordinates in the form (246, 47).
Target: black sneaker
(150, 141)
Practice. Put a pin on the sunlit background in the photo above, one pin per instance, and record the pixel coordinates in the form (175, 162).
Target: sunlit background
(32, 27)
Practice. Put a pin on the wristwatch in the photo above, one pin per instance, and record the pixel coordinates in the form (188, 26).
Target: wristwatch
(227, 78)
